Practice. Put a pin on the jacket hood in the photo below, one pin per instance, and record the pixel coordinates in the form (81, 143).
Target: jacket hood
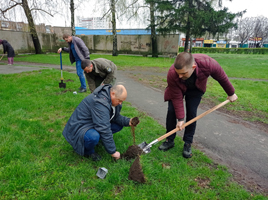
(104, 90)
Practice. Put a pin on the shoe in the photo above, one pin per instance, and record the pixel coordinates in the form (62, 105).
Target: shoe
(166, 145)
(187, 152)
(82, 90)
(79, 88)
(95, 157)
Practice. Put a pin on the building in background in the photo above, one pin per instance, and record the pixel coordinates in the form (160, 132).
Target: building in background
(234, 44)
(221, 44)
(85, 31)
(196, 42)
(93, 23)
(208, 43)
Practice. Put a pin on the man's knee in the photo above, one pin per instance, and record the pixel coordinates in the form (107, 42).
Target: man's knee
(92, 136)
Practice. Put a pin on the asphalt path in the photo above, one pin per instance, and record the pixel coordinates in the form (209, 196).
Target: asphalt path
(237, 144)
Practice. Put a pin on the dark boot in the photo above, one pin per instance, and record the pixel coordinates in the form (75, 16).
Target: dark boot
(94, 156)
(166, 145)
(187, 152)
(82, 90)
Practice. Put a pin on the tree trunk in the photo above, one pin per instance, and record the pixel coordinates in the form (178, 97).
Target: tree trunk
(114, 28)
(33, 32)
(72, 16)
(153, 31)
(191, 44)
(188, 27)
(186, 46)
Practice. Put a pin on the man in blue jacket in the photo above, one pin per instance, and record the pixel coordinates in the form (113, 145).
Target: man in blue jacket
(78, 51)
(97, 117)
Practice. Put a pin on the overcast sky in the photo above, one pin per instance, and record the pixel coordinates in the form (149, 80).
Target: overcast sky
(254, 8)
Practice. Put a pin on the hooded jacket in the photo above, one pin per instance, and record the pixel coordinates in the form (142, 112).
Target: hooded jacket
(80, 48)
(94, 112)
(205, 67)
(8, 49)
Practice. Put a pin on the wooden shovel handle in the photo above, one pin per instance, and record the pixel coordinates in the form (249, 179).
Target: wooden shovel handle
(193, 120)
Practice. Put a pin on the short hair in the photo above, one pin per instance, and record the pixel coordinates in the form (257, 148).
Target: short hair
(66, 35)
(85, 63)
(184, 59)
(118, 90)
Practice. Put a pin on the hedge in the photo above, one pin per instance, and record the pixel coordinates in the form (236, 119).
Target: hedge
(227, 50)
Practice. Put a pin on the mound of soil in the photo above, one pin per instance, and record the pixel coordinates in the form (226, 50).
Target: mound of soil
(69, 80)
(135, 172)
(135, 121)
(132, 152)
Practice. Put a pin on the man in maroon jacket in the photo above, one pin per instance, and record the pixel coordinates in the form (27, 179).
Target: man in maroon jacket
(187, 78)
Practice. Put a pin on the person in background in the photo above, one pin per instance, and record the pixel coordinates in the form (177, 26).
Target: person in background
(9, 50)
(187, 78)
(77, 52)
(99, 71)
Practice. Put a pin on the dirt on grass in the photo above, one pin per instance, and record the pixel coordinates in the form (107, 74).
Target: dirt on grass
(135, 171)
(132, 152)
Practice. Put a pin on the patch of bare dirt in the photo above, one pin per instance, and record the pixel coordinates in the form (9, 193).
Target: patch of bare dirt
(69, 80)
(202, 182)
(64, 91)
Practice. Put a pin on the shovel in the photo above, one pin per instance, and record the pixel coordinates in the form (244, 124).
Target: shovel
(61, 84)
(2, 57)
(146, 147)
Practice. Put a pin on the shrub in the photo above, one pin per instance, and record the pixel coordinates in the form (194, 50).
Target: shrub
(227, 50)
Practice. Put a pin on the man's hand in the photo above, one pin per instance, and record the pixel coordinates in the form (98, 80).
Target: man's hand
(232, 98)
(116, 155)
(59, 50)
(179, 125)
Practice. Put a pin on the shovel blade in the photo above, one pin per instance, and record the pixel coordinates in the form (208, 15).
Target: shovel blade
(143, 147)
(62, 85)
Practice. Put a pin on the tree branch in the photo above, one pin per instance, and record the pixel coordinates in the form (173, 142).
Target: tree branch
(42, 11)
(9, 8)
(106, 13)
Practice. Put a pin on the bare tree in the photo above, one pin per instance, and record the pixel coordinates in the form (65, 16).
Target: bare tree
(73, 7)
(260, 30)
(245, 30)
(116, 10)
(43, 6)
(72, 16)
(114, 28)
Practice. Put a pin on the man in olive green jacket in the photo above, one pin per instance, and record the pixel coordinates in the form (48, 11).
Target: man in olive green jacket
(99, 71)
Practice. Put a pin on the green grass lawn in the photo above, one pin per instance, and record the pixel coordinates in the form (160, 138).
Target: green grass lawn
(38, 163)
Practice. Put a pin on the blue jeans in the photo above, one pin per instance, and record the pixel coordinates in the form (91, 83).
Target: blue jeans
(92, 137)
(80, 74)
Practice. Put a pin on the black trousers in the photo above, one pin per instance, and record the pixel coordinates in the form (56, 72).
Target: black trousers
(192, 101)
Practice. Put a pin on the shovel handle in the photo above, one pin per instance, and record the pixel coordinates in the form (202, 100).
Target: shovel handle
(193, 120)
(60, 61)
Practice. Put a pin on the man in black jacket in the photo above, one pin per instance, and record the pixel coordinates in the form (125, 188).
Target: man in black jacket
(97, 117)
